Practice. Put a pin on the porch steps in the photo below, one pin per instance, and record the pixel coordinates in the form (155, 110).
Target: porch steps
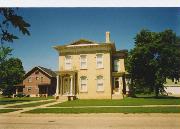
(117, 96)
(62, 98)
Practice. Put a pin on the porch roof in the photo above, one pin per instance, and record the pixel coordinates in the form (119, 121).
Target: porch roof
(66, 72)
(118, 74)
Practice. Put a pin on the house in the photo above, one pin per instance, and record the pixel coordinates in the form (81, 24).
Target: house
(39, 81)
(91, 70)
(172, 87)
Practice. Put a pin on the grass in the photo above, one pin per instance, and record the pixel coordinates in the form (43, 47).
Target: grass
(4, 101)
(107, 110)
(122, 102)
(8, 110)
(35, 104)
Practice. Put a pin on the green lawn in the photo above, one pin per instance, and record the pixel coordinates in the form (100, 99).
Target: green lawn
(35, 104)
(107, 110)
(4, 101)
(122, 102)
(7, 110)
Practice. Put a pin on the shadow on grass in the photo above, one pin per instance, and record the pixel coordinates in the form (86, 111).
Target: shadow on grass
(159, 97)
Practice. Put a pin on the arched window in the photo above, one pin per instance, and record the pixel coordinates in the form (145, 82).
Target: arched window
(100, 83)
(83, 83)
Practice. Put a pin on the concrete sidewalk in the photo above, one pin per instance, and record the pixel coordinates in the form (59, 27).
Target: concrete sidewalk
(31, 108)
(117, 106)
(33, 101)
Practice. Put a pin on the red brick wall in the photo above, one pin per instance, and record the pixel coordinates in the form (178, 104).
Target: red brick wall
(33, 80)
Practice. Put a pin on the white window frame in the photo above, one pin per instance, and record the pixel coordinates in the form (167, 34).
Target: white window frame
(69, 63)
(81, 61)
(30, 79)
(102, 65)
(86, 88)
(116, 65)
(29, 88)
(98, 83)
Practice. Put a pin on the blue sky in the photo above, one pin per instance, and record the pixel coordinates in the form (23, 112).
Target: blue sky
(57, 26)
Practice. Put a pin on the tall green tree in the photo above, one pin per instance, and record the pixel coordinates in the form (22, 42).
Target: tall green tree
(11, 69)
(11, 74)
(154, 58)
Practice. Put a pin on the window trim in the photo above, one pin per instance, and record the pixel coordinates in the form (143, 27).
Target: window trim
(85, 83)
(29, 79)
(102, 61)
(81, 61)
(65, 62)
(102, 84)
(118, 65)
(29, 90)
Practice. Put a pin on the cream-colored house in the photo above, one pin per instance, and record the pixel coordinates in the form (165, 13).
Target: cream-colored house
(91, 70)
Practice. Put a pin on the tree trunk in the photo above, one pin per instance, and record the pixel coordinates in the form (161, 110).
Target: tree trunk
(156, 91)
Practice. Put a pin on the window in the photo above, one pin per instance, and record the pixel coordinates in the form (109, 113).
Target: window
(30, 79)
(116, 65)
(83, 61)
(41, 79)
(83, 84)
(67, 62)
(37, 72)
(37, 78)
(29, 88)
(100, 86)
(99, 60)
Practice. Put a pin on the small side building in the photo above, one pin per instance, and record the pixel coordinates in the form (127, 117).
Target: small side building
(38, 82)
(172, 87)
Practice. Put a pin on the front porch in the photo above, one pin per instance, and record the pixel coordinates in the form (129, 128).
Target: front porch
(66, 85)
(18, 89)
(43, 90)
(118, 85)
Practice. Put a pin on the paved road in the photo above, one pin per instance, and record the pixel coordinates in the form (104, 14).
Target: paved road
(90, 121)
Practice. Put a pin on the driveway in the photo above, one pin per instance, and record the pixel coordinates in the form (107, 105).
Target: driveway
(90, 121)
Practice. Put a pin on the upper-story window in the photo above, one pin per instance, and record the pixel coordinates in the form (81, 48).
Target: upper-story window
(41, 79)
(99, 60)
(37, 72)
(29, 79)
(83, 84)
(116, 65)
(100, 84)
(83, 61)
(67, 62)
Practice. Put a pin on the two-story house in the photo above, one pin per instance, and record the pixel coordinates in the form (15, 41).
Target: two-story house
(91, 70)
(39, 81)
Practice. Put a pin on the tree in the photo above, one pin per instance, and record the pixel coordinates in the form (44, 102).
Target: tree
(11, 69)
(11, 73)
(10, 18)
(153, 59)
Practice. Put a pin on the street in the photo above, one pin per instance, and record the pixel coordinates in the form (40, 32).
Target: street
(90, 121)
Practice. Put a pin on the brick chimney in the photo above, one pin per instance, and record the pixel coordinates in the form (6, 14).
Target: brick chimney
(108, 37)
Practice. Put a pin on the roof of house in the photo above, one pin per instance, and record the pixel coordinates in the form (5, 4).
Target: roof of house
(47, 71)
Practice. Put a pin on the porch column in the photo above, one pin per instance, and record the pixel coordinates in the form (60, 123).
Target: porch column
(16, 90)
(61, 86)
(57, 85)
(120, 84)
(74, 85)
(71, 86)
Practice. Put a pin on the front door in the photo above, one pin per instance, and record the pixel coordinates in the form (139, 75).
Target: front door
(66, 85)
(116, 89)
